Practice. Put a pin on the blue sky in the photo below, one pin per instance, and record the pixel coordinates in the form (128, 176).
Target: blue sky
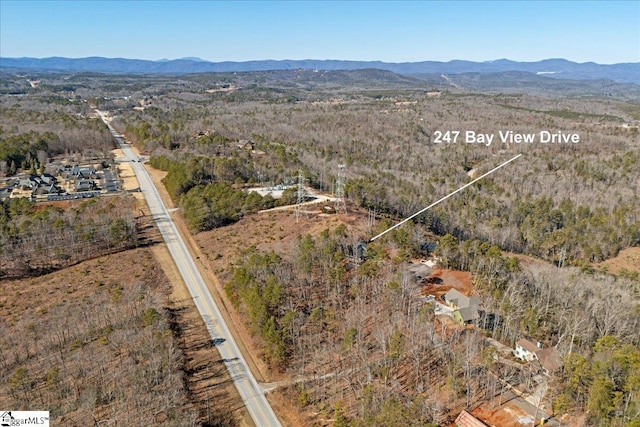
(395, 31)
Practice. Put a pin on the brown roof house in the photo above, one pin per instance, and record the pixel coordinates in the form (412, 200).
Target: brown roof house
(549, 358)
(465, 419)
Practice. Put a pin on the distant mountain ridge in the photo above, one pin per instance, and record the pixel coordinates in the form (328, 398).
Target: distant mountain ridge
(557, 68)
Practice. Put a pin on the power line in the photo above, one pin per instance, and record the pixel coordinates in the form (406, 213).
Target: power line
(340, 204)
(444, 198)
(301, 195)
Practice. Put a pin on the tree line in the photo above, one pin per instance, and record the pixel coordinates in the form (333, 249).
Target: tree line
(543, 205)
(94, 345)
(36, 239)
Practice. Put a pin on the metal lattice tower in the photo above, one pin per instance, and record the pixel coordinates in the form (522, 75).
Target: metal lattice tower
(371, 219)
(340, 205)
(563, 257)
(301, 194)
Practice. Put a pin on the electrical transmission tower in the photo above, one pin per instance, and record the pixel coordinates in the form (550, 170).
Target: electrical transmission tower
(301, 195)
(340, 204)
(563, 257)
(371, 220)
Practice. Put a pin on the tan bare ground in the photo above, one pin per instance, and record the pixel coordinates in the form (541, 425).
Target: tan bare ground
(275, 230)
(511, 415)
(156, 177)
(288, 411)
(628, 259)
(125, 172)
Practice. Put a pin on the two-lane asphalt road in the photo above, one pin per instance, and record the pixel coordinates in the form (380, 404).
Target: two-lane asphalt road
(246, 384)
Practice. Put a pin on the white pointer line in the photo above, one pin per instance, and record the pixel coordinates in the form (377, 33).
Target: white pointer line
(444, 198)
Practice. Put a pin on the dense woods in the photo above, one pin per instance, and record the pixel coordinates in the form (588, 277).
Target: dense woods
(543, 205)
(205, 193)
(94, 346)
(607, 385)
(36, 238)
(352, 332)
(357, 333)
(33, 129)
(367, 349)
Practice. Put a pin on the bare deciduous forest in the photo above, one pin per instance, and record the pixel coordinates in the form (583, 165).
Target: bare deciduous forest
(88, 331)
(353, 333)
(576, 199)
(101, 350)
(36, 240)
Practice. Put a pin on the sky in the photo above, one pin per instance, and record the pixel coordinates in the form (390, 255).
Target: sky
(392, 31)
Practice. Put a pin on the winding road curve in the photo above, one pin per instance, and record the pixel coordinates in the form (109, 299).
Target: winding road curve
(246, 384)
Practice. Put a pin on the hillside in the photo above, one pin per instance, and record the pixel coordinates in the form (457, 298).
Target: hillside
(108, 340)
(351, 341)
(349, 338)
(531, 83)
(353, 332)
(557, 68)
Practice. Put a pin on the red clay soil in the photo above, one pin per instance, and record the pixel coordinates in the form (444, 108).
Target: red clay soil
(507, 415)
(441, 281)
(511, 415)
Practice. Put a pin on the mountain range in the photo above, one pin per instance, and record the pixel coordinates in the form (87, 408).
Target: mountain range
(556, 68)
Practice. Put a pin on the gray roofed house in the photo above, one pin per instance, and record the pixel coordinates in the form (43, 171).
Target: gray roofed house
(85, 185)
(419, 271)
(550, 359)
(29, 182)
(87, 172)
(48, 179)
(77, 172)
(460, 300)
(465, 308)
(48, 189)
(469, 314)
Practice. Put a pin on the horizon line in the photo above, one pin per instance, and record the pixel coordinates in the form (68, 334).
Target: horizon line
(201, 60)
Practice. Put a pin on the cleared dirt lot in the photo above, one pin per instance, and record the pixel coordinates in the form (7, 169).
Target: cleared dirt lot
(628, 259)
(125, 172)
(441, 281)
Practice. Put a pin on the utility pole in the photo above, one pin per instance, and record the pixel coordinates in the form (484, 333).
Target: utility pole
(340, 205)
(301, 195)
(563, 256)
(443, 198)
(371, 218)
